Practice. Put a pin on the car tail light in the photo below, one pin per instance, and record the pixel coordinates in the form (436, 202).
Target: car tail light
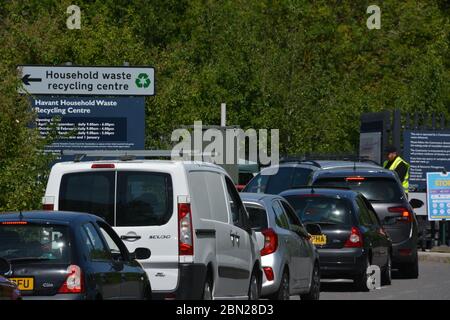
(74, 281)
(14, 222)
(268, 271)
(185, 240)
(270, 242)
(355, 239)
(48, 203)
(355, 179)
(406, 214)
(103, 166)
(405, 252)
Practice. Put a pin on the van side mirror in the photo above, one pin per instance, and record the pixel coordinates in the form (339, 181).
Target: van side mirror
(141, 253)
(313, 229)
(416, 203)
(5, 266)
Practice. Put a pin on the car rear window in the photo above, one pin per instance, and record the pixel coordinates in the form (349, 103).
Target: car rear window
(258, 216)
(321, 209)
(142, 198)
(286, 178)
(37, 243)
(374, 189)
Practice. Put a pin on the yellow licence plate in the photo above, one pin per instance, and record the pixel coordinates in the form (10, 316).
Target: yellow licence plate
(24, 284)
(319, 239)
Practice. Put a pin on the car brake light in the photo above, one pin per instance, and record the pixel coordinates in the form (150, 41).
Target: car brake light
(74, 281)
(48, 203)
(355, 239)
(355, 178)
(186, 243)
(406, 214)
(14, 222)
(268, 271)
(270, 242)
(103, 166)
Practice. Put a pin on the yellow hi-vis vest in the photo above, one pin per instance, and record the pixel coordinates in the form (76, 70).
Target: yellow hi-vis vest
(394, 165)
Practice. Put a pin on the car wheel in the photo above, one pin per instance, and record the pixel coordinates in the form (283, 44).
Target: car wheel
(207, 289)
(283, 292)
(410, 270)
(360, 281)
(253, 289)
(314, 289)
(386, 277)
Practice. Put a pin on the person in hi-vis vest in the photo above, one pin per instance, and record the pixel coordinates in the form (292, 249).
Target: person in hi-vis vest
(397, 164)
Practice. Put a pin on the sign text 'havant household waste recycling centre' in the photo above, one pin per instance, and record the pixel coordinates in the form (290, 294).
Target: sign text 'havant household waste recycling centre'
(86, 80)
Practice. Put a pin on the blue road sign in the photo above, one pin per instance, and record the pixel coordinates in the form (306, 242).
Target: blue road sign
(92, 123)
(438, 195)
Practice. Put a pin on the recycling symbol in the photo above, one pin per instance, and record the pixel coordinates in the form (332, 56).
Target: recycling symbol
(142, 81)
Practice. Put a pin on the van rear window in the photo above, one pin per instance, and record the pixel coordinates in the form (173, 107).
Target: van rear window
(143, 198)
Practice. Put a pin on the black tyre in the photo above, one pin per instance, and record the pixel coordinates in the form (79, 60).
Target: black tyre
(386, 276)
(360, 281)
(283, 292)
(314, 288)
(253, 288)
(410, 270)
(208, 289)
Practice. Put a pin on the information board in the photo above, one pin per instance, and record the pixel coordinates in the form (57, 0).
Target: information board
(438, 195)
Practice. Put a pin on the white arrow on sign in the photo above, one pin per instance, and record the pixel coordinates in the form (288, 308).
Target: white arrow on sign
(85, 80)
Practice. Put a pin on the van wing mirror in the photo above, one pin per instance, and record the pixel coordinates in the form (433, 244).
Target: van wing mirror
(5, 266)
(141, 254)
(416, 203)
(313, 229)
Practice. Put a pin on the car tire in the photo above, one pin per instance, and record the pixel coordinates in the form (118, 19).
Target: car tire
(253, 288)
(207, 289)
(410, 270)
(360, 281)
(386, 276)
(314, 288)
(283, 292)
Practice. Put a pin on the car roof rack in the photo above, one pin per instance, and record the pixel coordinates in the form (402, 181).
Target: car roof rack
(128, 155)
(300, 160)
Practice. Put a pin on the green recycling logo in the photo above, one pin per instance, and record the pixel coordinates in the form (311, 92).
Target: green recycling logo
(143, 81)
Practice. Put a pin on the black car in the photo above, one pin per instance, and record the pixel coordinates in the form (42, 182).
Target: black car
(8, 289)
(385, 192)
(352, 237)
(68, 255)
(292, 173)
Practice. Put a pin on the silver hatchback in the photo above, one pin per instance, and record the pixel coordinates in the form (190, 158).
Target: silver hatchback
(289, 259)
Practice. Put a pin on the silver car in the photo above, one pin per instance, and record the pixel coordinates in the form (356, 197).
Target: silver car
(289, 259)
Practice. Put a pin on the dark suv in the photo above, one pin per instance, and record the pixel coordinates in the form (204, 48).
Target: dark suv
(292, 173)
(385, 192)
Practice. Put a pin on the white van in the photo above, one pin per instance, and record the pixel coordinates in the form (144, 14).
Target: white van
(188, 214)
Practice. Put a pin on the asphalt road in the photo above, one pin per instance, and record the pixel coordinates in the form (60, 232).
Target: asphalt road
(433, 284)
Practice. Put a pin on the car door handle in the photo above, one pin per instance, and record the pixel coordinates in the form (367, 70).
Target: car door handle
(123, 277)
(130, 238)
(103, 277)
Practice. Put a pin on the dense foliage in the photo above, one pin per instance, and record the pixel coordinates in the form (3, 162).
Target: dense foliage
(308, 68)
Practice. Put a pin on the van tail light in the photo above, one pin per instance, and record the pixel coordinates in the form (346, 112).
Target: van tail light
(355, 239)
(48, 203)
(270, 242)
(103, 166)
(185, 240)
(406, 214)
(74, 281)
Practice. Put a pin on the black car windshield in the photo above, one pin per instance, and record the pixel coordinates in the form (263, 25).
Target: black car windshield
(374, 189)
(321, 209)
(34, 242)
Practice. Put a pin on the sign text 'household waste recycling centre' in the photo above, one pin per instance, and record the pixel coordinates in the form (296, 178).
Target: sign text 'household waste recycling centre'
(86, 80)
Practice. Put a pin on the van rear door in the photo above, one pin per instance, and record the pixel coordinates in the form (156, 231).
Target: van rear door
(140, 207)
